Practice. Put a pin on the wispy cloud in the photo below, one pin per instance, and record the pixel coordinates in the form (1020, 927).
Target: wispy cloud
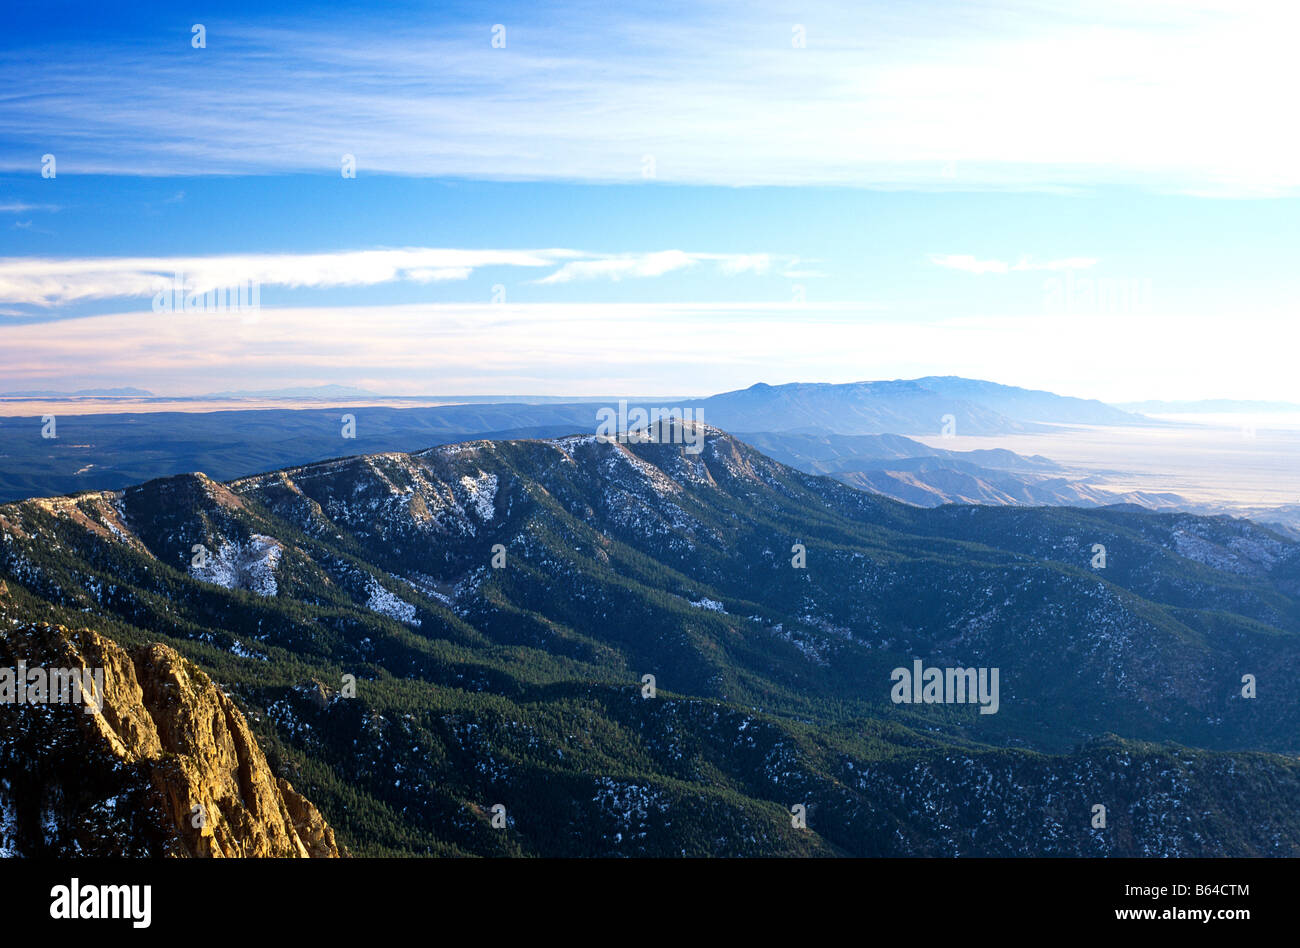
(1007, 94)
(623, 266)
(619, 267)
(972, 264)
(426, 275)
(45, 282)
(20, 207)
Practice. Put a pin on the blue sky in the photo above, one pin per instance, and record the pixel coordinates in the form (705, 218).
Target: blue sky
(653, 200)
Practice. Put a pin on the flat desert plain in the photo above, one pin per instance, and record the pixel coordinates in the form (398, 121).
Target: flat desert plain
(1231, 461)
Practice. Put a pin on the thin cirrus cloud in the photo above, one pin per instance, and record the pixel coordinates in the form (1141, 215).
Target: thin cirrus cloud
(969, 263)
(930, 95)
(46, 282)
(623, 266)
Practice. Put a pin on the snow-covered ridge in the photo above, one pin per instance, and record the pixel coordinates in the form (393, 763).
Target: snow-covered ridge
(569, 442)
(659, 482)
(452, 450)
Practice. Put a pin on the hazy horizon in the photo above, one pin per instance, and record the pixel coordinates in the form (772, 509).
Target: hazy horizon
(315, 393)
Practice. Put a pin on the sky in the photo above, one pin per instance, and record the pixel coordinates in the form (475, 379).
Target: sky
(1094, 198)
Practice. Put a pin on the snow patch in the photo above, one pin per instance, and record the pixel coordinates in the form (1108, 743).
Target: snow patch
(386, 604)
(482, 494)
(248, 566)
(711, 604)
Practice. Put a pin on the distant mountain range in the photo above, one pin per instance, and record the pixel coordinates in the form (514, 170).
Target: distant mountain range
(916, 406)
(1029, 405)
(111, 451)
(920, 406)
(500, 604)
(903, 406)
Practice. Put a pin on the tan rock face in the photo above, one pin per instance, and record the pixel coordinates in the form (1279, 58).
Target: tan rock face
(207, 777)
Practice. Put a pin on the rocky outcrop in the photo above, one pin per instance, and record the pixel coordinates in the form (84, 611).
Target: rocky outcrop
(167, 767)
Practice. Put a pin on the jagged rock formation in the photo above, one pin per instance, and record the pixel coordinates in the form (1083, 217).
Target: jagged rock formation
(168, 767)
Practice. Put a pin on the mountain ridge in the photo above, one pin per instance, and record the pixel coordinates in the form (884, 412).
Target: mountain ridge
(773, 681)
(111, 451)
